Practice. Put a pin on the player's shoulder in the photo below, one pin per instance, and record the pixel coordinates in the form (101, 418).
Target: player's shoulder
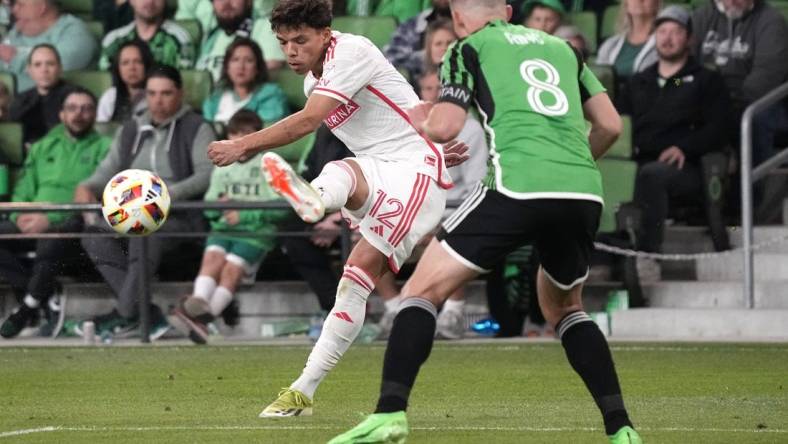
(351, 45)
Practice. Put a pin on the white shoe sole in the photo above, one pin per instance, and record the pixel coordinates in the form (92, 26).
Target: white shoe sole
(297, 192)
(294, 412)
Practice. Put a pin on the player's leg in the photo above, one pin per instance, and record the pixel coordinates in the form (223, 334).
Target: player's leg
(437, 275)
(451, 319)
(564, 249)
(213, 260)
(364, 268)
(340, 184)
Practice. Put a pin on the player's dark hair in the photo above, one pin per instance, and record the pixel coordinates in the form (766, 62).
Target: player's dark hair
(78, 90)
(244, 121)
(166, 72)
(296, 13)
(262, 70)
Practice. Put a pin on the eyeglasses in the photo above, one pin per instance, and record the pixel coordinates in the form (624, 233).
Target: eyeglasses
(79, 108)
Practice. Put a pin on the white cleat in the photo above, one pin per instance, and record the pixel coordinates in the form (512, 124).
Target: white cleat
(298, 192)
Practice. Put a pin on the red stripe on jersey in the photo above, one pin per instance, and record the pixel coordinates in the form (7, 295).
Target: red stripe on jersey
(330, 49)
(423, 184)
(320, 88)
(432, 146)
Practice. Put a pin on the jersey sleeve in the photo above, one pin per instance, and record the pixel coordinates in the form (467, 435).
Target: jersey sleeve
(589, 84)
(349, 69)
(458, 75)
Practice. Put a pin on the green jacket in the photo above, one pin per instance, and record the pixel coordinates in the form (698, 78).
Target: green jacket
(402, 10)
(56, 164)
(243, 181)
(268, 101)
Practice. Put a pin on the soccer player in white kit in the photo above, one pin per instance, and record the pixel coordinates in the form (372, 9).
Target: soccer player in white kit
(393, 190)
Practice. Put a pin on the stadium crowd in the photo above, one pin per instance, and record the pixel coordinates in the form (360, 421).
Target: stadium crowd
(682, 74)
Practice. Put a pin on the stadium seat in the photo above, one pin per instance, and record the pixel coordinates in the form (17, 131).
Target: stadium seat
(296, 152)
(618, 182)
(622, 149)
(96, 28)
(609, 22)
(9, 80)
(197, 87)
(94, 81)
(107, 128)
(605, 75)
(586, 23)
(80, 8)
(293, 86)
(376, 29)
(11, 142)
(194, 30)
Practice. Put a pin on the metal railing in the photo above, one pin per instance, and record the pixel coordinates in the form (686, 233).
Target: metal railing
(145, 294)
(749, 175)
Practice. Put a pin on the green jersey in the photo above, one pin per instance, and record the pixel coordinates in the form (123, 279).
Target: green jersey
(529, 88)
(171, 45)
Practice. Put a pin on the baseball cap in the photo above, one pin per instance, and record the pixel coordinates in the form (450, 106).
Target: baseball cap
(675, 13)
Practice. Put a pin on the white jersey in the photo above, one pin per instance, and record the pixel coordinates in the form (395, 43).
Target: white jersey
(371, 120)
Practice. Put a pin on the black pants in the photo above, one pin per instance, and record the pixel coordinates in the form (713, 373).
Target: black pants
(310, 261)
(658, 184)
(52, 256)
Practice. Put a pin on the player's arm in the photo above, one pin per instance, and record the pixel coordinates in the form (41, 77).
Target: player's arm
(605, 123)
(285, 131)
(444, 122)
(598, 109)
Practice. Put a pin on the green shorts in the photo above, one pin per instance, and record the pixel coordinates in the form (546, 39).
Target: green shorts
(238, 250)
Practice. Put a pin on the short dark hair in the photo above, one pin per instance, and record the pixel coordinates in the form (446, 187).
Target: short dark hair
(244, 120)
(47, 46)
(166, 72)
(78, 90)
(262, 70)
(296, 13)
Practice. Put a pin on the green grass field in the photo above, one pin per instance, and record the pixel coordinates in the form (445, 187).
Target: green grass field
(475, 393)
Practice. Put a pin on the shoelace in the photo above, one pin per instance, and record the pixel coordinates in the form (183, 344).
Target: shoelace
(297, 397)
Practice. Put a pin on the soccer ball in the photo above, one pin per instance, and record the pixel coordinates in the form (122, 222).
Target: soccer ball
(135, 202)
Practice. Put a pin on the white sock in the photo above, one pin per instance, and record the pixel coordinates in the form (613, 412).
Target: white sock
(340, 329)
(220, 300)
(454, 305)
(31, 302)
(392, 304)
(204, 286)
(335, 184)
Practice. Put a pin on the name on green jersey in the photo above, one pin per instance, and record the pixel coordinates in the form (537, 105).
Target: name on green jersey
(524, 39)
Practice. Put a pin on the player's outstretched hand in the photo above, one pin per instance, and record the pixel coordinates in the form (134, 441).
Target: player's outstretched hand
(225, 152)
(455, 152)
(418, 114)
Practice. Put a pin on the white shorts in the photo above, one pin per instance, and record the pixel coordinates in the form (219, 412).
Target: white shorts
(402, 207)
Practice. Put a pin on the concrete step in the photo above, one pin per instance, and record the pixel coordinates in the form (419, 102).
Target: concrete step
(767, 266)
(684, 294)
(700, 324)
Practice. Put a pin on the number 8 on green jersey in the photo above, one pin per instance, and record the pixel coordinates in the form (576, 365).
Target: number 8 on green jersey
(529, 88)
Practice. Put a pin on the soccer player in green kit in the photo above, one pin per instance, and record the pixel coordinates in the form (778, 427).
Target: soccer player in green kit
(534, 94)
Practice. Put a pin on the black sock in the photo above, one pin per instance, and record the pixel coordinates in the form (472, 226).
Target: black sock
(410, 343)
(588, 353)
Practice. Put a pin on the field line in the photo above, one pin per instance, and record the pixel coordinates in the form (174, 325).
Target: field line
(14, 433)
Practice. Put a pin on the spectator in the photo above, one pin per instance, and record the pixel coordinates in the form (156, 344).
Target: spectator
(235, 20)
(171, 140)
(56, 164)
(38, 108)
(678, 109)
(747, 41)
(128, 82)
(544, 15)
(631, 50)
(244, 84)
(5, 101)
(168, 41)
(575, 38)
(400, 9)
(203, 12)
(406, 49)
(112, 13)
(227, 259)
(440, 34)
(37, 22)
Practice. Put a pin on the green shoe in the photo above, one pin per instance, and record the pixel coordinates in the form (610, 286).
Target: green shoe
(289, 403)
(384, 428)
(626, 435)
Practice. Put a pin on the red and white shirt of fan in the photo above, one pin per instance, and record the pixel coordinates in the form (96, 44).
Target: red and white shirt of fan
(405, 171)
